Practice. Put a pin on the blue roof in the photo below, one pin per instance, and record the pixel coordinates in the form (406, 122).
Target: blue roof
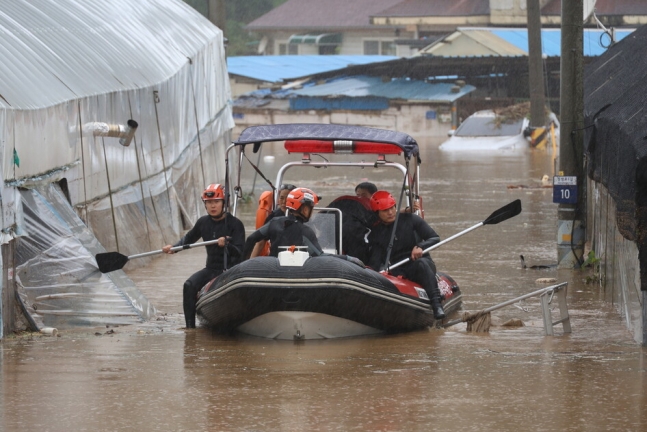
(363, 86)
(285, 67)
(551, 39)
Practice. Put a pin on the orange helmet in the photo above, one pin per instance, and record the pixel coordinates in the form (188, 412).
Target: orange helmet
(299, 196)
(213, 192)
(382, 200)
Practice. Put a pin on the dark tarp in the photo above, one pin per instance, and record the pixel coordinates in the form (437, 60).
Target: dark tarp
(327, 132)
(615, 116)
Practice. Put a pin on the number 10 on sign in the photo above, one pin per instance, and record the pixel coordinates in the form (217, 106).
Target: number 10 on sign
(565, 189)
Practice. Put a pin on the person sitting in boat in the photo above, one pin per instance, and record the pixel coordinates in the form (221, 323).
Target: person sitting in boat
(288, 230)
(412, 236)
(217, 224)
(284, 191)
(367, 189)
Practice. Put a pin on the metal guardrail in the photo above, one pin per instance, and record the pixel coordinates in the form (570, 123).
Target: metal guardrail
(546, 296)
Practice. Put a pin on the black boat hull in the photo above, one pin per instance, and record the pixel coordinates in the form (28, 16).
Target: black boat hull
(323, 285)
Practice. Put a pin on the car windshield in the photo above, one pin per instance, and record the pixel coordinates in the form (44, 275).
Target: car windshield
(487, 126)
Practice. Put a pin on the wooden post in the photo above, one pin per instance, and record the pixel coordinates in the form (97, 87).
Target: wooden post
(535, 66)
(571, 158)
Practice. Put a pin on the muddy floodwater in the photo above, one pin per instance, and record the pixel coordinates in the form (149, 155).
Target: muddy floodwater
(157, 376)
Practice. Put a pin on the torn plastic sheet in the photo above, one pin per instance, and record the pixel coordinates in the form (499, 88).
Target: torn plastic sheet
(57, 278)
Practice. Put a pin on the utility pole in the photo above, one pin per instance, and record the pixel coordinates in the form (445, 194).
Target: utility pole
(218, 14)
(535, 66)
(569, 187)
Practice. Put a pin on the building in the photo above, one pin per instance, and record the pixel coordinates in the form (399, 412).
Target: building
(616, 176)
(422, 109)
(251, 73)
(307, 27)
(403, 27)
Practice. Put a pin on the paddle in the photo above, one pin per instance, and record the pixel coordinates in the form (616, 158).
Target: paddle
(504, 213)
(111, 261)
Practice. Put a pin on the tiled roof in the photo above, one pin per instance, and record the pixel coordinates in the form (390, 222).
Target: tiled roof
(603, 7)
(440, 8)
(324, 14)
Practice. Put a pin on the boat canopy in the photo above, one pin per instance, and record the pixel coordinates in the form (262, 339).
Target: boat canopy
(327, 132)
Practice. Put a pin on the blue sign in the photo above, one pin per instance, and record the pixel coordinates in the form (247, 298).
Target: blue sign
(565, 189)
(430, 115)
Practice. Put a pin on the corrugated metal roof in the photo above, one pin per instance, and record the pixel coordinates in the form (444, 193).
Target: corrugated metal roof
(551, 40)
(360, 86)
(316, 39)
(495, 43)
(603, 7)
(515, 41)
(275, 69)
(50, 53)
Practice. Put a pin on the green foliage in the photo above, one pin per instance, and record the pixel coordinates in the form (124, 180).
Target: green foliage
(239, 14)
(591, 260)
(246, 11)
(593, 263)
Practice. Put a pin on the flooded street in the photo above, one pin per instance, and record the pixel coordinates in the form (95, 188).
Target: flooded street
(157, 376)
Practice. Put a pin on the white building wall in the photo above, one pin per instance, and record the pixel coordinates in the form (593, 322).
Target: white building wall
(352, 41)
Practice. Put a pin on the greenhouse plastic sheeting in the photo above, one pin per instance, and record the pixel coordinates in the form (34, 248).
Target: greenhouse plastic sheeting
(57, 278)
(70, 64)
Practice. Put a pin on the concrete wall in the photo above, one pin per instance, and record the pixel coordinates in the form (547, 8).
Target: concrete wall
(409, 118)
(241, 85)
(619, 265)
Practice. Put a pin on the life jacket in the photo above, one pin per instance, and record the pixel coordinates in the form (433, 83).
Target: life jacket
(265, 206)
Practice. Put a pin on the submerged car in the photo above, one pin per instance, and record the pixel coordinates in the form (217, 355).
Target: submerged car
(488, 130)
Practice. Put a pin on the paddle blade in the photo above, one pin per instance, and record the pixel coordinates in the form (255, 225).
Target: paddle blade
(504, 213)
(111, 261)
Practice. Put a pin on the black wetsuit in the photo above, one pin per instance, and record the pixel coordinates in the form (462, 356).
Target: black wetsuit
(277, 212)
(284, 231)
(411, 231)
(208, 229)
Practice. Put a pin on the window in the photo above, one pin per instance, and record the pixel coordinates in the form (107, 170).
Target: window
(376, 47)
(288, 49)
(388, 48)
(371, 47)
(328, 49)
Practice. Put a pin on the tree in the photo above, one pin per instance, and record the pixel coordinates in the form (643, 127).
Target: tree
(239, 13)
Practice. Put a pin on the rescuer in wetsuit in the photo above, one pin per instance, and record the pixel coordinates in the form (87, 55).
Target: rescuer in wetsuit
(216, 225)
(284, 190)
(289, 230)
(412, 236)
